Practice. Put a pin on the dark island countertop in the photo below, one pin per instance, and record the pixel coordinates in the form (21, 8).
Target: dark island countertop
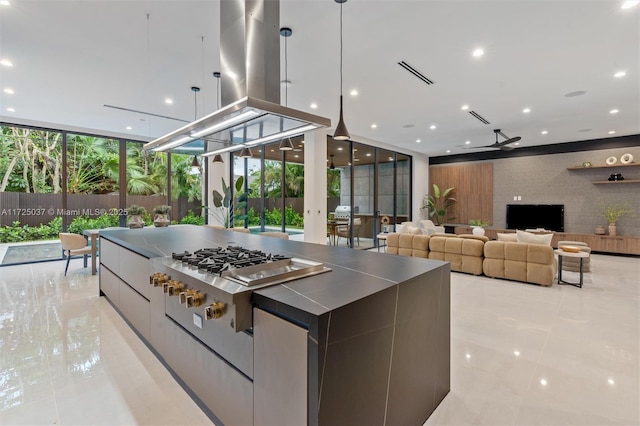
(355, 274)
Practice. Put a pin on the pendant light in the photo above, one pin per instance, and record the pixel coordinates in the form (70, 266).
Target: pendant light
(217, 159)
(246, 153)
(331, 165)
(341, 133)
(286, 32)
(195, 164)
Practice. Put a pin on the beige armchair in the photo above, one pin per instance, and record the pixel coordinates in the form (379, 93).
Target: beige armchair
(345, 231)
(74, 245)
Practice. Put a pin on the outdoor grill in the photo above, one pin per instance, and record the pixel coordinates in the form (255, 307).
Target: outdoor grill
(342, 213)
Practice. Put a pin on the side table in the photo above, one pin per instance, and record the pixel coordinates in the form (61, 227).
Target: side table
(581, 255)
(382, 240)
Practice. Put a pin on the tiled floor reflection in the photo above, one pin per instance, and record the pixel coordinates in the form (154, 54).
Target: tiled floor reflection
(67, 358)
(521, 354)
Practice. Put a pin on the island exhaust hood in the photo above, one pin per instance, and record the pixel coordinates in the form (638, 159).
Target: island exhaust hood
(249, 90)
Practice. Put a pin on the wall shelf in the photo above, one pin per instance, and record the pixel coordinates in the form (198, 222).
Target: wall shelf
(606, 182)
(613, 166)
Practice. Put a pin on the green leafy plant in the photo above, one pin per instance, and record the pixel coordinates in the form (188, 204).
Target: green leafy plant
(135, 210)
(479, 222)
(191, 219)
(230, 205)
(439, 203)
(161, 209)
(611, 212)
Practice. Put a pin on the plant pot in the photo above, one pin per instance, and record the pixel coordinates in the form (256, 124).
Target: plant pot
(612, 229)
(161, 221)
(136, 222)
(477, 230)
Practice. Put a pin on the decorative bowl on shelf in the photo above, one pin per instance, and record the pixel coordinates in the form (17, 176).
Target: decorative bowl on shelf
(570, 249)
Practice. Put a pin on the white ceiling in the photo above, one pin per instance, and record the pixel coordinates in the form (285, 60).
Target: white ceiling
(70, 58)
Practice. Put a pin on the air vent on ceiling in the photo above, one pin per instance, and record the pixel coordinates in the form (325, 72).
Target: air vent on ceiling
(415, 72)
(479, 117)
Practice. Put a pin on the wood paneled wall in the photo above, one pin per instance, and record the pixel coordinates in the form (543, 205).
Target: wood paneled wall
(473, 185)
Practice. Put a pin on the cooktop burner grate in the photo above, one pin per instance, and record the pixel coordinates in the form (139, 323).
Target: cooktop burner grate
(218, 260)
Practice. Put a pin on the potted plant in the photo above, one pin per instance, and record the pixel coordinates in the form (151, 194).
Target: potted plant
(477, 226)
(135, 213)
(438, 204)
(611, 212)
(161, 216)
(230, 208)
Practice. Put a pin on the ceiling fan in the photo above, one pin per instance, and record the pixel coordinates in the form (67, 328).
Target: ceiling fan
(504, 145)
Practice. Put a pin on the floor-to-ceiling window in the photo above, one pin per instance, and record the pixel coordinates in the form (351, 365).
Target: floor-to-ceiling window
(372, 185)
(31, 188)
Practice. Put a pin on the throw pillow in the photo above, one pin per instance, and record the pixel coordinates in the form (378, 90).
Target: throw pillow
(528, 237)
(513, 237)
(410, 229)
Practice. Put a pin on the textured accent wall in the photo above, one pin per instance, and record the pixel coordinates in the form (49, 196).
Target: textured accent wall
(545, 179)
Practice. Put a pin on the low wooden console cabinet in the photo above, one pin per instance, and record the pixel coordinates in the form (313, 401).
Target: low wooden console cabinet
(620, 244)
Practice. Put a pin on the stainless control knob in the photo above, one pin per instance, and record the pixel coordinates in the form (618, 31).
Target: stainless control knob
(215, 310)
(158, 279)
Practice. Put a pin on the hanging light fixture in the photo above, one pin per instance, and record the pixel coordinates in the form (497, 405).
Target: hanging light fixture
(286, 32)
(217, 159)
(341, 133)
(246, 153)
(331, 165)
(195, 164)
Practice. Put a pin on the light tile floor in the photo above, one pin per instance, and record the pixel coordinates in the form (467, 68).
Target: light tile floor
(520, 354)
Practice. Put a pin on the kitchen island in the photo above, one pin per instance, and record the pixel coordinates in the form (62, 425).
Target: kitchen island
(364, 342)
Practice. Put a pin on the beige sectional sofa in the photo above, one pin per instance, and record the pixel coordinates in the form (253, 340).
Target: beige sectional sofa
(517, 261)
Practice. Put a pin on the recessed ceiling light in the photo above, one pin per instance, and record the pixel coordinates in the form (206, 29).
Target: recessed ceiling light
(418, 140)
(468, 356)
(368, 154)
(6, 63)
(464, 107)
(314, 105)
(168, 101)
(129, 128)
(614, 111)
(516, 353)
(448, 151)
(356, 159)
(517, 143)
(9, 91)
(543, 382)
(620, 74)
(629, 4)
(611, 382)
(390, 158)
(432, 127)
(355, 149)
(296, 156)
(478, 52)
(339, 148)
(467, 142)
(11, 109)
(354, 92)
(374, 126)
(5, 3)
(611, 132)
(544, 132)
(526, 110)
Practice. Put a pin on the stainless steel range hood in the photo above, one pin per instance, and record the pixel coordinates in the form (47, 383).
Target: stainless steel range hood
(250, 87)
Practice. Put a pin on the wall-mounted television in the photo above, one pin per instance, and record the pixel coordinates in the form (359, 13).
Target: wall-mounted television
(534, 216)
